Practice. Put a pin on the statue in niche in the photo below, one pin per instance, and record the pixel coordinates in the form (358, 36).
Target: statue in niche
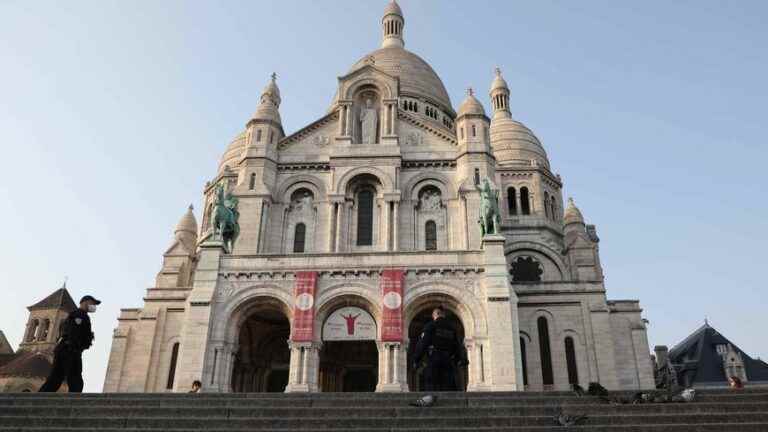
(301, 203)
(430, 200)
(368, 122)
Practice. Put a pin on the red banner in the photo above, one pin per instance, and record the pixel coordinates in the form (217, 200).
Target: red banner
(304, 306)
(392, 282)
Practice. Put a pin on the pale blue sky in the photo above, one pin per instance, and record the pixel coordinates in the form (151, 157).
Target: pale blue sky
(113, 114)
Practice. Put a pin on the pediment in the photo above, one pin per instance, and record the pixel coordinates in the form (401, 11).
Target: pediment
(177, 248)
(417, 134)
(369, 74)
(313, 139)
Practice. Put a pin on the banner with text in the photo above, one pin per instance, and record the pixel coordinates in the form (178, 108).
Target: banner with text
(304, 306)
(392, 282)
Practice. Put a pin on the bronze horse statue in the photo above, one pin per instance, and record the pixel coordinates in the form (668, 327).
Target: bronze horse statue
(224, 218)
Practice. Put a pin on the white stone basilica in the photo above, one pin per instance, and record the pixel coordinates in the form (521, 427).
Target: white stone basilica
(352, 228)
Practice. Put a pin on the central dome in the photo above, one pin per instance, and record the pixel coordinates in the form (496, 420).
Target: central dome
(417, 78)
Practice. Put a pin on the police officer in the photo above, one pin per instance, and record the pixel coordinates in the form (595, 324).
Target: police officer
(440, 343)
(76, 337)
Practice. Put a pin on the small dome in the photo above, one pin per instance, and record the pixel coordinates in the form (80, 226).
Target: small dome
(272, 91)
(471, 106)
(267, 111)
(393, 9)
(572, 214)
(499, 82)
(187, 223)
(269, 103)
(513, 143)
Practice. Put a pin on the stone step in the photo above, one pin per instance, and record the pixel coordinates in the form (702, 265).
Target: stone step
(127, 410)
(314, 423)
(334, 401)
(723, 427)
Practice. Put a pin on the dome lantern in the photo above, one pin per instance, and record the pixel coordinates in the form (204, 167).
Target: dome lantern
(500, 96)
(392, 26)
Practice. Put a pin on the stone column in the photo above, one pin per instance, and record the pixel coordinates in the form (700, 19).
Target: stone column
(304, 367)
(195, 360)
(395, 233)
(501, 353)
(392, 368)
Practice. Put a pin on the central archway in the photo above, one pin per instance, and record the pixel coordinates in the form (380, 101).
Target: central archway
(262, 360)
(415, 328)
(349, 358)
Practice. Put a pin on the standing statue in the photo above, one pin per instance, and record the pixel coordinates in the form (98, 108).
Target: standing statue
(224, 218)
(490, 216)
(368, 121)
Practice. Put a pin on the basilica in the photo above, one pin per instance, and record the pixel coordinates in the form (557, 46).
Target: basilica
(321, 253)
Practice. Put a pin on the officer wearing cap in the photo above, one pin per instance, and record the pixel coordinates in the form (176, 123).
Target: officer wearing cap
(76, 337)
(440, 342)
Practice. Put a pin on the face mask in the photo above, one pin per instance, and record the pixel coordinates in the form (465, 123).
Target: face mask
(92, 308)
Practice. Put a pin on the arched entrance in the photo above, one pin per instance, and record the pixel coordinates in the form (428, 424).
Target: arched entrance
(262, 360)
(422, 317)
(349, 358)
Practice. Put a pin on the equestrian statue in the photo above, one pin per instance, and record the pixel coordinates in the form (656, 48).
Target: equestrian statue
(224, 218)
(490, 219)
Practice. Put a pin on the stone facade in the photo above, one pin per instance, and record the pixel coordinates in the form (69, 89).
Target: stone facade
(343, 210)
(26, 369)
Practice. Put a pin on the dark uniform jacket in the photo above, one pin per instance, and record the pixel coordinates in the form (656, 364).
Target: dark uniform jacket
(76, 331)
(439, 335)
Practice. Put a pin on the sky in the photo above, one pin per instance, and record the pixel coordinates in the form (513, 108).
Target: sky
(114, 114)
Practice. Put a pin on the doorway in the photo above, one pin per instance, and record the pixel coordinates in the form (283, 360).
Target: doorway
(416, 376)
(263, 358)
(349, 366)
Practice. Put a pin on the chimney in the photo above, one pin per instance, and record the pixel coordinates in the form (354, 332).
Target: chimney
(661, 355)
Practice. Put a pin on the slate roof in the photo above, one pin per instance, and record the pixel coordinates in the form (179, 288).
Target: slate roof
(27, 364)
(697, 358)
(60, 299)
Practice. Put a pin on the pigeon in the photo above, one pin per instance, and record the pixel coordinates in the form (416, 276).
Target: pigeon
(579, 390)
(569, 420)
(424, 402)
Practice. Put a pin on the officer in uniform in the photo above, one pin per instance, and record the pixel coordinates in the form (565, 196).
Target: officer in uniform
(440, 343)
(76, 337)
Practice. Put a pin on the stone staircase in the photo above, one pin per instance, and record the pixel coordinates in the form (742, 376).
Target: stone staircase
(721, 411)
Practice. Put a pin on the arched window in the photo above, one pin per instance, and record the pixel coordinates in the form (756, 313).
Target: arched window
(430, 235)
(545, 352)
(524, 358)
(172, 369)
(546, 204)
(525, 203)
(299, 238)
(553, 203)
(461, 133)
(252, 183)
(44, 330)
(477, 176)
(474, 130)
(365, 218)
(512, 201)
(271, 136)
(258, 135)
(570, 360)
(32, 330)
